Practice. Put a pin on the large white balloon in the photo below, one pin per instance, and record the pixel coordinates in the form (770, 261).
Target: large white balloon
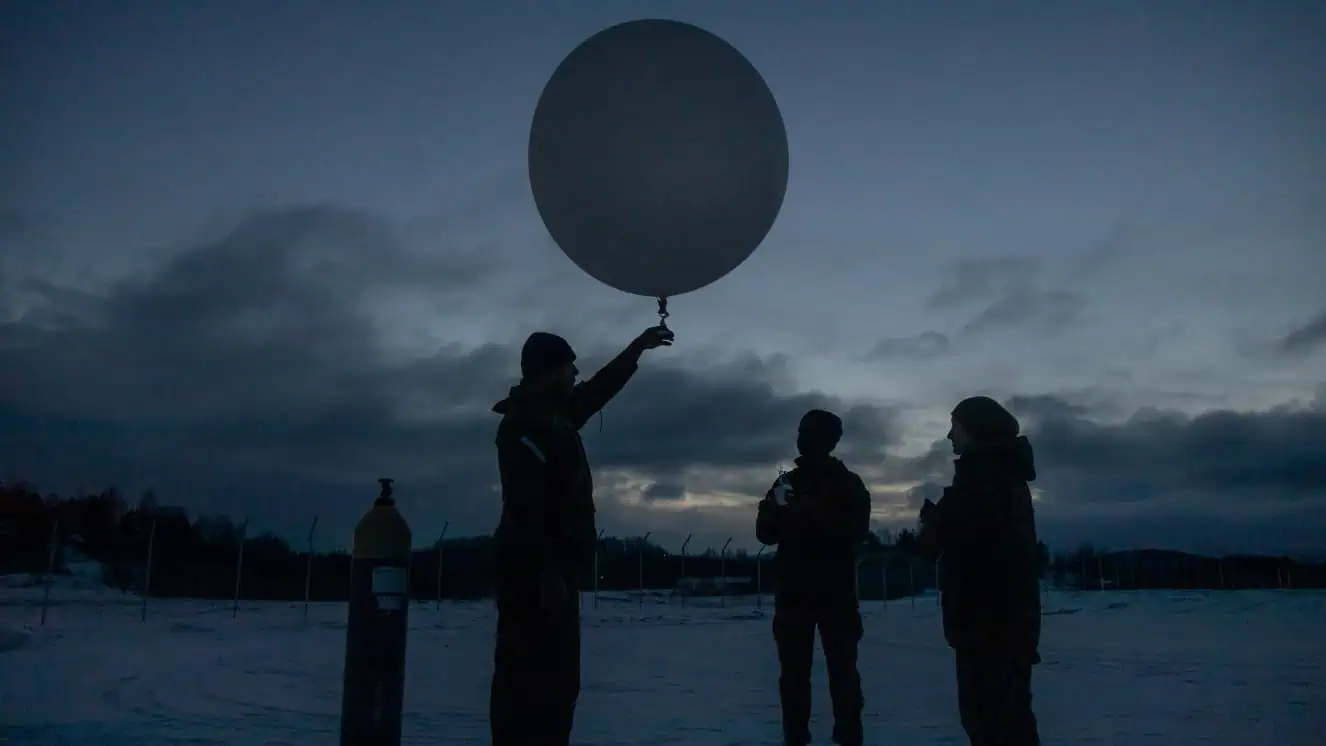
(657, 157)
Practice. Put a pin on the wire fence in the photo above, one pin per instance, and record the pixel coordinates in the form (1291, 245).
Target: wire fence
(710, 579)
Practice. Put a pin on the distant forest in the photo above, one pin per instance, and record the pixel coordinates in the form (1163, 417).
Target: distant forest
(197, 558)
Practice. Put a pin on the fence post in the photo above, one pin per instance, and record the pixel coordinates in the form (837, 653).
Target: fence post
(147, 570)
(239, 566)
(722, 569)
(939, 593)
(884, 579)
(856, 577)
(50, 569)
(683, 565)
(441, 538)
(308, 569)
(597, 541)
(759, 577)
(640, 558)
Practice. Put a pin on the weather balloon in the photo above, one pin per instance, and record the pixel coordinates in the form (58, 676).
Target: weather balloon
(657, 158)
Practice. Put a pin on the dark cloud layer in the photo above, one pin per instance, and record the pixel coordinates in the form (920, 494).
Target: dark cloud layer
(251, 375)
(248, 375)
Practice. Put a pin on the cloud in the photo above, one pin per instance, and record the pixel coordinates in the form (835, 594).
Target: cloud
(1050, 310)
(1008, 292)
(1306, 338)
(252, 374)
(925, 346)
(972, 280)
(664, 491)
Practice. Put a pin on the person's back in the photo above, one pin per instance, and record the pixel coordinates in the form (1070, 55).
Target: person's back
(816, 559)
(817, 515)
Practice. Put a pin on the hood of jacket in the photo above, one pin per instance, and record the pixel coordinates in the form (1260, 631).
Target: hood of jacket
(1013, 457)
(522, 400)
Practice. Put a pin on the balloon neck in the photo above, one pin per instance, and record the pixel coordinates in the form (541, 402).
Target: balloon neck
(663, 313)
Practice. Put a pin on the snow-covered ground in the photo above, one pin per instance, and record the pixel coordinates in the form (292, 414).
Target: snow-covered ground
(1133, 668)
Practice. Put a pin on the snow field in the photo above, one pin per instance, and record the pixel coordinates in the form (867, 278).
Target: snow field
(1135, 668)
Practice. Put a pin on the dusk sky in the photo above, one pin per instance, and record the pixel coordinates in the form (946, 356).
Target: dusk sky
(257, 254)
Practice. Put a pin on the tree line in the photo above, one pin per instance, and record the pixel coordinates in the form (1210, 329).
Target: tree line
(196, 557)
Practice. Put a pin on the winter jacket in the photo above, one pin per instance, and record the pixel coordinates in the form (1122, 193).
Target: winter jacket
(985, 530)
(547, 521)
(817, 532)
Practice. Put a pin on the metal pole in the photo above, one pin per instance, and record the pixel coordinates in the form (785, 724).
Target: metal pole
(856, 579)
(640, 557)
(683, 564)
(911, 581)
(759, 577)
(308, 570)
(597, 540)
(884, 580)
(50, 569)
(939, 593)
(722, 568)
(442, 537)
(147, 570)
(239, 566)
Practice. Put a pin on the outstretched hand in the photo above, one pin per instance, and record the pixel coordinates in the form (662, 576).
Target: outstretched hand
(653, 338)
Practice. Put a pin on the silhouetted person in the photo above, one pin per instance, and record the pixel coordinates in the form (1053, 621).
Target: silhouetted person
(545, 539)
(985, 529)
(817, 514)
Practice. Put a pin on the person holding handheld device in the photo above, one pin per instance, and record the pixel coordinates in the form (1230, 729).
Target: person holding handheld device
(817, 514)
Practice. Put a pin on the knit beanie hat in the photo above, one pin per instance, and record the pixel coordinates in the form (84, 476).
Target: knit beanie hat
(544, 352)
(985, 419)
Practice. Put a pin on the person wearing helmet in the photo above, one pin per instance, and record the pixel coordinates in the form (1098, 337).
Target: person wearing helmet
(985, 531)
(545, 538)
(817, 515)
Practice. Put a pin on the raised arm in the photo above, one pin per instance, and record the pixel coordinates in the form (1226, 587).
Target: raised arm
(589, 397)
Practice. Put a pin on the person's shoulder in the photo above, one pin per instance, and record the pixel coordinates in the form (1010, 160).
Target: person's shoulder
(845, 473)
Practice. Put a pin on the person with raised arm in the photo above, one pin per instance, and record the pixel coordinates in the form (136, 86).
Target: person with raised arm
(545, 538)
(817, 515)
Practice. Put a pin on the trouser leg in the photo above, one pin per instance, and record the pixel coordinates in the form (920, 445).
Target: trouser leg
(1024, 730)
(794, 634)
(994, 699)
(536, 677)
(840, 636)
(564, 651)
(510, 703)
